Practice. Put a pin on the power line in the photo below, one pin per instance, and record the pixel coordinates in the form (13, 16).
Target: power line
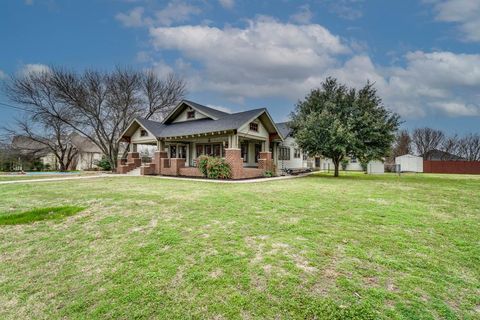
(6, 105)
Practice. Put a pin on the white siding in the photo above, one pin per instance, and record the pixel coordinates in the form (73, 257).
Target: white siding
(137, 137)
(376, 167)
(183, 116)
(410, 163)
(293, 163)
(262, 132)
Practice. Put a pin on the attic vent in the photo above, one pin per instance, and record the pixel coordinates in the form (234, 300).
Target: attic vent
(191, 114)
(254, 126)
(143, 133)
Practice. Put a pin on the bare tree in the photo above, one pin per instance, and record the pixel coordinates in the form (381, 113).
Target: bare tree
(160, 95)
(450, 145)
(426, 140)
(403, 144)
(469, 147)
(100, 105)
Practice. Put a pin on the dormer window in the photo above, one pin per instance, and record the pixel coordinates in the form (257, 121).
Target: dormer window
(143, 133)
(191, 114)
(253, 126)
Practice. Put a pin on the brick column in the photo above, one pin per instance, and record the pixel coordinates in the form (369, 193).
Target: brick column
(265, 161)
(234, 159)
(176, 164)
(157, 160)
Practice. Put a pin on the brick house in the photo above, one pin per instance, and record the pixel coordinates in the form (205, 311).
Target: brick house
(245, 139)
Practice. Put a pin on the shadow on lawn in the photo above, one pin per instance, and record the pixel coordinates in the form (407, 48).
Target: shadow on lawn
(53, 213)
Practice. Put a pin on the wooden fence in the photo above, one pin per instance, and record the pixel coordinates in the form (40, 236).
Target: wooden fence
(462, 167)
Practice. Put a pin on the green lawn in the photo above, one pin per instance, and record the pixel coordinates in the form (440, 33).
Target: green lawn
(316, 247)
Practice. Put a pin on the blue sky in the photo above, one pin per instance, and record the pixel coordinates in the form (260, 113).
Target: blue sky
(423, 55)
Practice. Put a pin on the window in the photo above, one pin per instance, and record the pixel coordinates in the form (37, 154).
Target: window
(173, 151)
(296, 153)
(216, 150)
(199, 150)
(254, 126)
(244, 149)
(305, 156)
(258, 148)
(353, 159)
(191, 114)
(208, 149)
(284, 153)
(143, 133)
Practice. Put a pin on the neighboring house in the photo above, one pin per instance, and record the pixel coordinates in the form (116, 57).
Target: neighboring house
(247, 140)
(87, 156)
(88, 153)
(439, 155)
(289, 154)
(409, 163)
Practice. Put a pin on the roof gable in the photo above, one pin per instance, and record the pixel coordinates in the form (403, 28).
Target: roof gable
(207, 112)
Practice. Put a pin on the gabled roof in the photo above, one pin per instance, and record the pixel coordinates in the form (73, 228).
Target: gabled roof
(223, 122)
(209, 112)
(284, 129)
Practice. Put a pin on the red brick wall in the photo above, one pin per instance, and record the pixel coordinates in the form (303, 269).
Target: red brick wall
(190, 172)
(234, 158)
(462, 167)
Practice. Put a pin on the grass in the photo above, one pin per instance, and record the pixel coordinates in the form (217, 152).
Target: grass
(40, 214)
(359, 246)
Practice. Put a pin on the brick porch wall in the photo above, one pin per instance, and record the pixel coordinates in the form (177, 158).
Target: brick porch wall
(163, 165)
(133, 161)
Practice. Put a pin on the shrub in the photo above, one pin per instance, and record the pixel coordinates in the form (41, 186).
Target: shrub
(214, 167)
(364, 166)
(344, 164)
(104, 164)
(268, 174)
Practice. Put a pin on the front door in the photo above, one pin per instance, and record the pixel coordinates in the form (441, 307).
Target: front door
(317, 162)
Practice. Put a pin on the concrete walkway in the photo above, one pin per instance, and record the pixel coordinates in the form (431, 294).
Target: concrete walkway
(156, 177)
(56, 179)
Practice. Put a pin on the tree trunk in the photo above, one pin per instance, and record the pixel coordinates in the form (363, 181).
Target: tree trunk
(336, 163)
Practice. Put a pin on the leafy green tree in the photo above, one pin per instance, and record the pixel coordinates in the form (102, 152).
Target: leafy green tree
(336, 121)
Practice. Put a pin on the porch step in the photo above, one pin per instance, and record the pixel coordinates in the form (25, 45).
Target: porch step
(134, 172)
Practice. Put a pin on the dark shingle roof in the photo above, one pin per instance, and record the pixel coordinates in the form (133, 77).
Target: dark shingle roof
(228, 121)
(207, 110)
(284, 129)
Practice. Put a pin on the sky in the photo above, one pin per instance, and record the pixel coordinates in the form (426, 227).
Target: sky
(423, 56)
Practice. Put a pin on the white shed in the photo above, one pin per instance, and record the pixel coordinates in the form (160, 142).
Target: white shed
(409, 163)
(375, 167)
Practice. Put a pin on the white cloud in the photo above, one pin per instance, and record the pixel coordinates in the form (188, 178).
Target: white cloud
(303, 16)
(345, 9)
(134, 18)
(465, 13)
(175, 11)
(268, 58)
(227, 4)
(33, 68)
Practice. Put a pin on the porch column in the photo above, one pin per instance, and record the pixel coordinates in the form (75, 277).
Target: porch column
(233, 141)
(160, 145)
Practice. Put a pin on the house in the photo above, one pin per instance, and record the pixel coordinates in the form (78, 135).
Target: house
(247, 140)
(439, 155)
(88, 154)
(409, 163)
(289, 155)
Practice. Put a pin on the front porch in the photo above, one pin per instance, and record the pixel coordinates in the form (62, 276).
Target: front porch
(248, 157)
